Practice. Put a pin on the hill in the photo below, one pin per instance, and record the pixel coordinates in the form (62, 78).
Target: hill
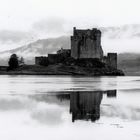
(40, 47)
(129, 63)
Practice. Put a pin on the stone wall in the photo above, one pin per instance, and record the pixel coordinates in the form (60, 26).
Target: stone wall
(112, 60)
(55, 58)
(42, 60)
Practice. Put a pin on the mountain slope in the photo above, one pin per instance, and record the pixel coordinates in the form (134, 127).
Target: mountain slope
(41, 47)
(129, 63)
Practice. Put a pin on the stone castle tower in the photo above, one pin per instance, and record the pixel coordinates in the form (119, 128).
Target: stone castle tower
(86, 44)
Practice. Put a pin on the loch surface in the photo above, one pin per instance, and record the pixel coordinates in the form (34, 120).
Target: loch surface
(69, 108)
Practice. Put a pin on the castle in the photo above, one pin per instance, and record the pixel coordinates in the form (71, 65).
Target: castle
(85, 44)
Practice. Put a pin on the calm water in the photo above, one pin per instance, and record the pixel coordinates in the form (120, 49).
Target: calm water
(69, 108)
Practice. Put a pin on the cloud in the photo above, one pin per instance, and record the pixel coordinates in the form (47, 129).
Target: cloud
(14, 36)
(122, 32)
(48, 114)
(50, 25)
(9, 102)
(10, 39)
(121, 111)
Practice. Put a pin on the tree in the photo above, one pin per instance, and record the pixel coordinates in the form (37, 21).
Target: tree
(13, 62)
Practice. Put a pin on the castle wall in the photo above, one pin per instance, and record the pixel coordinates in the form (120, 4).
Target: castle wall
(42, 60)
(58, 58)
(37, 60)
(54, 58)
(90, 49)
(74, 47)
(51, 59)
(112, 60)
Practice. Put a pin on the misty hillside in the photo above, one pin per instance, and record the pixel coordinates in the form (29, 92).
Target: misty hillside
(40, 47)
(129, 63)
(129, 60)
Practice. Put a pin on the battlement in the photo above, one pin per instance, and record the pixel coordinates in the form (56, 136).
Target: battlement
(87, 32)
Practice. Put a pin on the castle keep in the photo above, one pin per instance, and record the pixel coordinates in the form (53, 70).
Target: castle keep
(86, 44)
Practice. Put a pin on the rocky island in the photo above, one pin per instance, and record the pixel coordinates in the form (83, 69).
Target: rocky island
(86, 56)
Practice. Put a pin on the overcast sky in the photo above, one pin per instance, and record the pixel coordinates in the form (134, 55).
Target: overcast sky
(23, 21)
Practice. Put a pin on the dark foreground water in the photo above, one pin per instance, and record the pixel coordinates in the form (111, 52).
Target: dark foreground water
(69, 108)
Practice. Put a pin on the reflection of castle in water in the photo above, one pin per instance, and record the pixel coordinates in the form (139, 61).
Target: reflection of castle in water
(86, 105)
